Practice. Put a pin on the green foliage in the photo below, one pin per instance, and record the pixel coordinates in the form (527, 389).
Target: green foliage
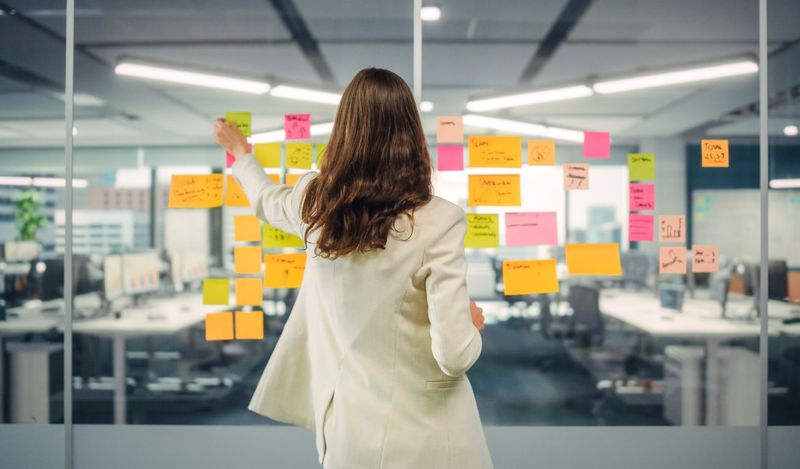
(27, 207)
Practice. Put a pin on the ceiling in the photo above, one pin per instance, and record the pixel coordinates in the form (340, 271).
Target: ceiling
(477, 47)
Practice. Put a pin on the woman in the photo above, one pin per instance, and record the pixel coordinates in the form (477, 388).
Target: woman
(374, 353)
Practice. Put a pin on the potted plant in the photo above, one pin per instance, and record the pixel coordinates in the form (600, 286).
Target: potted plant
(27, 206)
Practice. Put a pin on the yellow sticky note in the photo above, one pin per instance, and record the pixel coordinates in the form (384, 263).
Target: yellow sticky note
(275, 238)
(195, 191)
(292, 178)
(715, 153)
(530, 277)
(298, 155)
(483, 230)
(268, 154)
(242, 120)
(219, 326)
(249, 325)
(276, 178)
(593, 259)
(284, 270)
(247, 259)
(493, 189)
(493, 151)
(541, 152)
(248, 291)
(216, 291)
(246, 228)
(320, 149)
(641, 166)
(234, 194)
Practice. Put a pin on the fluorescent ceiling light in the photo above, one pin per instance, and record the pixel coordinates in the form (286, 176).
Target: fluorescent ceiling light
(525, 128)
(784, 184)
(790, 130)
(40, 182)
(15, 181)
(654, 80)
(305, 94)
(279, 135)
(426, 106)
(533, 97)
(430, 13)
(186, 77)
(83, 100)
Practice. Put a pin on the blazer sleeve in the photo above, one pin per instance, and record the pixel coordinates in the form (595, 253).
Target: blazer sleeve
(455, 341)
(276, 204)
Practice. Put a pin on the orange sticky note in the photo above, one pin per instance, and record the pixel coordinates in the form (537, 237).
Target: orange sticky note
(493, 189)
(593, 259)
(298, 155)
(493, 151)
(292, 178)
(705, 258)
(276, 178)
(248, 291)
(247, 259)
(541, 152)
(249, 325)
(576, 176)
(219, 326)
(714, 153)
(529, 277)
(234, 195)
(195, 191)
(284, 270)
(672, 260)
(450, 129)
(246, 228)
(672, 228)
(268, 154)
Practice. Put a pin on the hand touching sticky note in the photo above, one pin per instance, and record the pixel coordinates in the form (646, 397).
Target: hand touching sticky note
(449, 129)
(195, 191)
(714, 153)
(493, 151)
(284, 270)
(493, 189)
(672, 260)
(242, 121)
(672, 228)
(640, 227)
(596, 145)
(641, 166)
(642, 196)
(705, 258)
(449, 157)
(576, 176)
(298, 155)
(593, 259)
(297, 126)
(541, 152)
(483, 230)
(529, 277)
(531, 228)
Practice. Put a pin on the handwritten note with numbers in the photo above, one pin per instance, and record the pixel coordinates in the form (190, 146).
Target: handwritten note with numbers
(530, 277)
(483, 230)
(715, 153)
(298, 155)
(449, 129)
(541, 152)
(297, 126)
(672, 228)
(493, 189)
(493, 151)
(672, 260)
(641, 166)
(284, 270)
(642, 196)
(640, 227)
(705, 258)
(531, 228)
(195, 191)
(576, 176)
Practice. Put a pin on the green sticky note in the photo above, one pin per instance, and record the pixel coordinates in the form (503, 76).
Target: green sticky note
(483, 230)
(320, 149)
(216, 291)
(242, 120)
(641, 166)
(268, 154)
(275, 238)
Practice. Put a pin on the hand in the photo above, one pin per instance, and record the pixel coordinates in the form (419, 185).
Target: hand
(477, 315)
(230, 138)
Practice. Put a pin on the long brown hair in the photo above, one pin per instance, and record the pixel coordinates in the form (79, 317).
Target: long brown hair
(376, 167)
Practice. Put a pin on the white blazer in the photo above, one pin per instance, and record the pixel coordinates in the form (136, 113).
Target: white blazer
(373, 355)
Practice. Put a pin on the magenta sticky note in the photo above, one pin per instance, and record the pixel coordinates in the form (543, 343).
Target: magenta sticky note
(531, 228)
(450, 157)
(642, 196)
(596, 145)
(640, 227)
(297, 126)
(230, 159)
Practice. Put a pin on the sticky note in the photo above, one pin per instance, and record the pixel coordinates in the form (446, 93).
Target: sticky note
(246, 228)
(297, 126)
(640, 227)
(541, 152)
(216, 291)
(672, 228)
(268, 154)
(320, 149)
(449, 157)
(483, 230)
(276, 178)
(493, 151)
(284, 270)
(292, 178)
(248, 291)
(195, 191)
(596, 145)
(242, 120)
(641, 166)
(219, 326)
(714, 153)
(234, 194)
(493, 189)
(576, 176)
(642, 196)
(249, 325)
(531, 228)
(529, 277)
(593, 259)
(275, 238)
(298, 155)
(449, 129)
(230, 159)
(672, 260)
(247, 259)
(705, 258)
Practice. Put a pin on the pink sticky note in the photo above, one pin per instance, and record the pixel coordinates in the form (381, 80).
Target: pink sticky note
(230, 159)
(297, 126)
(672, 260)
(640, 227)
(596, 145)
(705, 258)
(531, 228)
(450, 157)
(642, 196)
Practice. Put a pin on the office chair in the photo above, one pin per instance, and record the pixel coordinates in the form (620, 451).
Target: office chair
(588, 324)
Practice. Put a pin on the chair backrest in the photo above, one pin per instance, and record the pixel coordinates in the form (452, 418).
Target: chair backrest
(586, 316)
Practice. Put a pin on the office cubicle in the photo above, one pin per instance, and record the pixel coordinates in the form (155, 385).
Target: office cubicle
(140, 356)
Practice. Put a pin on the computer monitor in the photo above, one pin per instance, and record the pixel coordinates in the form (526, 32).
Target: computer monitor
(140, 272)
(47, 277)
(778, 279)
(112, 277)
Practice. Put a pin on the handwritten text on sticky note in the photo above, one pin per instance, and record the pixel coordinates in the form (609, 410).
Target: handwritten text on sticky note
(297, 126)
(641, 166)
(576, 176)
(715, 153)
(672, 228)
(642, 196)
(275, 238)
(449, 129)
(195, 191)
(705, 258)
(483, 230)
(672, 260)
(493, 151)
(640, 227)
(242, 121)
(298, 155)
(449, 157)
(493, 189)
(541, 152)
(596, 145)
(531, 228)
(284, 270)
(530, 277)
(593, 259)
